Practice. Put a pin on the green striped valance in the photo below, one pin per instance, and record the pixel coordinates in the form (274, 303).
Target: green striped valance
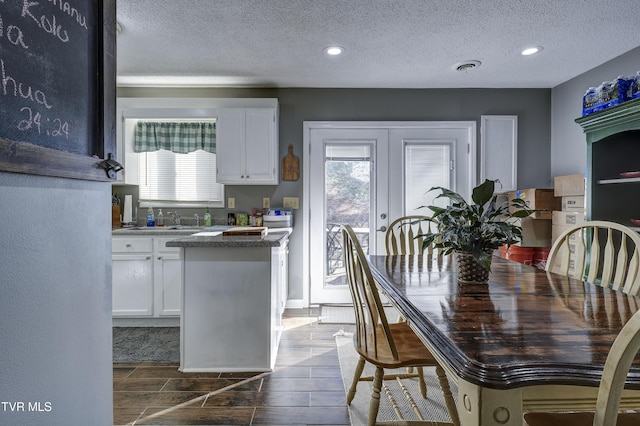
(179, 137)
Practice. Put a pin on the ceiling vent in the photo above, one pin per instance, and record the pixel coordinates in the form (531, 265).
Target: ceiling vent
(466, 66)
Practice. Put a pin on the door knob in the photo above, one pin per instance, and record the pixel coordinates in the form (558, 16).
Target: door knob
(382, 229)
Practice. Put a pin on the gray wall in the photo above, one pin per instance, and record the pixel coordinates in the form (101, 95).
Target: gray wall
(568, 142)
(55, 303)
(532, 106)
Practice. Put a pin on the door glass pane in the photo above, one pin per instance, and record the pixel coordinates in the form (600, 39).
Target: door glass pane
(426, 166)
(347, 201)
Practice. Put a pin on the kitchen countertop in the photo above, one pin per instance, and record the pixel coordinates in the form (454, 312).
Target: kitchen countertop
(158, 230)
(273, 239)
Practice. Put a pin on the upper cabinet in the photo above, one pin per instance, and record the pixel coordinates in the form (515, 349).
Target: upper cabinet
(613, 163)
(247, 146)
(246, 134)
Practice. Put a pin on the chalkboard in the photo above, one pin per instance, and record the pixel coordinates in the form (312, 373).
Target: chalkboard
(57, 86)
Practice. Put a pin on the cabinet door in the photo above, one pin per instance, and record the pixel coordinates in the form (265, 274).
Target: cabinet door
(247, 146)
(261, 146)
(168, 267)
(132, 282)
(168, 278)
(230, 146)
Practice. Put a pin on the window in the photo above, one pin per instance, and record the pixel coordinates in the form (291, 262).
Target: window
(426, 165)
(176, 179)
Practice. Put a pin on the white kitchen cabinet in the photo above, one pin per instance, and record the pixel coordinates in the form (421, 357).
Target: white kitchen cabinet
(167, 278)
(247, 146)
(146, 277)
(132, 276)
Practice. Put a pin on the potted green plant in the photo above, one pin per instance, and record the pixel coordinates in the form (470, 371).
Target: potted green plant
(474, 231)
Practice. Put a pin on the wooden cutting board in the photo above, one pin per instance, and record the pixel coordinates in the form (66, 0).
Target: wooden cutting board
(246, 230)
(115, 216)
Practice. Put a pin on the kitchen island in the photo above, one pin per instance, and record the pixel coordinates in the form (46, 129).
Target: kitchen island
(233, 296)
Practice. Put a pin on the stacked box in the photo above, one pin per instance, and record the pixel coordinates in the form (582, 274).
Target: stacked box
(573, 247)
(571, 189)
(563, 220)
(573, 203)
(568, 185)
(539, 199)
(535, 232)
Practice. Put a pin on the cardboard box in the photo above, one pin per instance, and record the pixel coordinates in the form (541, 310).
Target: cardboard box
(566, 219)
(556, 230)
(573, 203)
(535, 232)
(568, 185)
(538, 199)
(577, 251)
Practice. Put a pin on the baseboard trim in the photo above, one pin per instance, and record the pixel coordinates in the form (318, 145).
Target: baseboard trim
(145, 322)
(295, 304)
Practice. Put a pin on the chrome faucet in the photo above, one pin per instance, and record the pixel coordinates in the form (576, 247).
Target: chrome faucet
(197, 220)
(176, 217)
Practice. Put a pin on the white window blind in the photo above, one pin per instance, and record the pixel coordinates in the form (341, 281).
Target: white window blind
(168, 178)
(426, 166)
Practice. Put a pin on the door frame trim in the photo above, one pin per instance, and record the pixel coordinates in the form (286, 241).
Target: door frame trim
(468, 126)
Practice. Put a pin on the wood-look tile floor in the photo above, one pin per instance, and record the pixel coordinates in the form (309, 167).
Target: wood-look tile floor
(305, 388)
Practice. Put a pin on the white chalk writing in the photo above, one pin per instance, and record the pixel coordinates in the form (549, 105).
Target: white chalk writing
(7, 82)
(14, 34)
(71, 11)
(49, 26)
(52, 127)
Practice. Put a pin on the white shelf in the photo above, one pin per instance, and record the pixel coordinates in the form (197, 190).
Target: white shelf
(618, 180)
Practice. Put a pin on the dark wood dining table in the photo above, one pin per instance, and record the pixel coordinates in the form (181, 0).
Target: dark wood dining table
(529, 340)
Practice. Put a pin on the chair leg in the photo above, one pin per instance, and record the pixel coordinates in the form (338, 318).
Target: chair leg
(374, 405)
(356, 377)
(448, 397)
(421, 382)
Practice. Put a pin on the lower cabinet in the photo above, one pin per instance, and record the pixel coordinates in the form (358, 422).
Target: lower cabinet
(233, 300)
(146, 277)
(167, 271)
(132, 284)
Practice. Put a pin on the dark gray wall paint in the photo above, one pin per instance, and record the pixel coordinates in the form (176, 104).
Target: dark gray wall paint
(532, 106)
(568, 142)
(55, 307)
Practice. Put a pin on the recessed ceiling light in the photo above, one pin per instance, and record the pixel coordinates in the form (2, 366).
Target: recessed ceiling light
(531, 51)
(334, 50)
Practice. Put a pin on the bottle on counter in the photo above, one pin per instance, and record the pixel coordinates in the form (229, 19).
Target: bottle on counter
(207, 217)
(160, 221)
(150, 219)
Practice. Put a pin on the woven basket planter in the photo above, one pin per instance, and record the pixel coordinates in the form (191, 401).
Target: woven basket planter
(470, 271)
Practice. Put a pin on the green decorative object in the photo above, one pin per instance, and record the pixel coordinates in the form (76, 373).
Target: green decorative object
(476, 229)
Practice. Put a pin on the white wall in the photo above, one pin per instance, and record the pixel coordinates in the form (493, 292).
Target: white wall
(55, 300)
(568, 142)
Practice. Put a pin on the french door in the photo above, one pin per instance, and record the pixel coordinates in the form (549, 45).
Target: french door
(366, 175)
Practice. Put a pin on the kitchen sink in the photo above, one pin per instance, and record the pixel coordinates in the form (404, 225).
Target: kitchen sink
(167, 228)
(185, 228)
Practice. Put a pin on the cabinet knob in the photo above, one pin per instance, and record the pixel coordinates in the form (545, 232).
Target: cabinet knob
(159, 257)
(148, 257)
(127, 245)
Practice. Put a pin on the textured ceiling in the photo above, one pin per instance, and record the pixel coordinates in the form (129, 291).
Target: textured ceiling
(389, 43)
